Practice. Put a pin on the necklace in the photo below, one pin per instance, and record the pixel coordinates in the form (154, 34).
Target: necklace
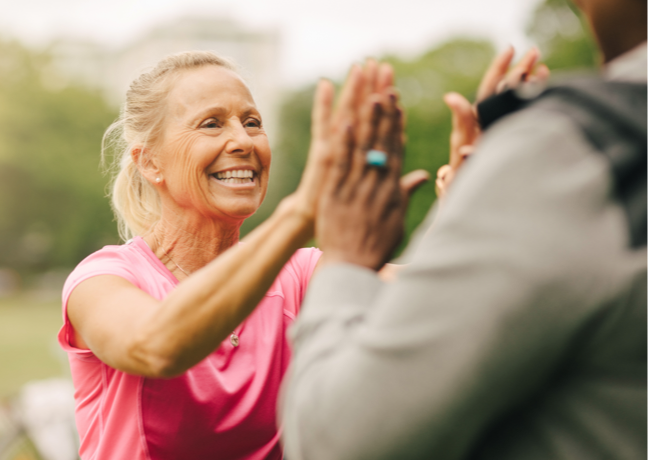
(167, 254)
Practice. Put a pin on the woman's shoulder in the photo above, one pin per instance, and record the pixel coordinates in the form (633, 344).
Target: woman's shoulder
(110, 256)
(299, 269)
(304, 260)
(292, 282)
(128, 260)
(306, 253)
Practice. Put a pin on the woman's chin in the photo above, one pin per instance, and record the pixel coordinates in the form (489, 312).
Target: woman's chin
(237, 211)
(236, 201)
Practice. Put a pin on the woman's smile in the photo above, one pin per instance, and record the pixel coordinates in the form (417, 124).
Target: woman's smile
(237, 178)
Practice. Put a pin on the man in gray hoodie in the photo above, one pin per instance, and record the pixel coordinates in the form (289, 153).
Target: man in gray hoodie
(518, 330)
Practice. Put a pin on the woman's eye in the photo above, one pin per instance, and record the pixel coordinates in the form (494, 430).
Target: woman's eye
(210, 124)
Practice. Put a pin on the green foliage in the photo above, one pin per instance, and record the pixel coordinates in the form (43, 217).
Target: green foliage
(28, 348)
(52, 206)
(563, 36)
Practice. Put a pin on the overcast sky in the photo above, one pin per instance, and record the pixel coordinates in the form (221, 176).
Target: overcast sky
(319, 38)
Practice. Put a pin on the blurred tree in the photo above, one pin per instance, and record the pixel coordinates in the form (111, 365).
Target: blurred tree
(52, 206)
(563, 36)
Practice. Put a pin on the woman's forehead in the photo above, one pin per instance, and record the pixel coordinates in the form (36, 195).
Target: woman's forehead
(208, 86)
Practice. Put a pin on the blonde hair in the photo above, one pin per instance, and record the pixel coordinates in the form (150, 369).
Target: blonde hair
(134, 200)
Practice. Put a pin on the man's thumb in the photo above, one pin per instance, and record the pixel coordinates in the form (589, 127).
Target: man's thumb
(411, 181)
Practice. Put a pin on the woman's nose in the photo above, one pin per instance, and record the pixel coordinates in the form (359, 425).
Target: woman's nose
(239, 141)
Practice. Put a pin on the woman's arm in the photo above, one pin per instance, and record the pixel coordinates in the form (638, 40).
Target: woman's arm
(131, 331)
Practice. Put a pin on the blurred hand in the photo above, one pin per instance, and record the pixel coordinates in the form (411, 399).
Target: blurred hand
(361, 211)
(327, 124)
(465, 125)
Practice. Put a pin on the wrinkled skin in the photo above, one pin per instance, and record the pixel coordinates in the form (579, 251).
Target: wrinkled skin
(211, 125)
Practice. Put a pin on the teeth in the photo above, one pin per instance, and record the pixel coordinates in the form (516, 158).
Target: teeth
(237, 173)
(237, 180)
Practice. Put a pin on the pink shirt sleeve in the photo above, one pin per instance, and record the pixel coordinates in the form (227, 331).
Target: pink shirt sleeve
(104, 262)
(299, 270)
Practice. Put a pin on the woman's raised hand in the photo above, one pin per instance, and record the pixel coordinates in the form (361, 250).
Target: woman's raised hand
(499, 77)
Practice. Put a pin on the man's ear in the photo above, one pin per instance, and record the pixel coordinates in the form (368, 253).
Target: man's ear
(146, 164)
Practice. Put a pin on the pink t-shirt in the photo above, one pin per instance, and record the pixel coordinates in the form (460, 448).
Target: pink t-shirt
(224, 407)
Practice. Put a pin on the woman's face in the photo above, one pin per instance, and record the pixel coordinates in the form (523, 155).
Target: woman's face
(213, 153)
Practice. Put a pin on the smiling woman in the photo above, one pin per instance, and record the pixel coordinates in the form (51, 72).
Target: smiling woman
(212, 128)
(188, 98)
(177, 339)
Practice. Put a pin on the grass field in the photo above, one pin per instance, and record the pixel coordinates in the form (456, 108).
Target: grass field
(28, 347)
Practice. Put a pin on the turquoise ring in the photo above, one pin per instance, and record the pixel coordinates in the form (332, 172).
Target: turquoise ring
(376, 158)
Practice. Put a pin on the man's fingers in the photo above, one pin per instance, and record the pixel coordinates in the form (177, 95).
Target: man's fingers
(463, 115)
(370, 80)
(412, 181)
(322, 109)
(465, 151)
(370, 120)
(441, 182)
(442, 172)
(542, 72)
(385, 78)
(380, 184)
(389, 133)
(498, 78)
(350, 93)
(528, 61)
(523, 69)
(495, 73)
(465, 127)
(344, 144)
(365, 132)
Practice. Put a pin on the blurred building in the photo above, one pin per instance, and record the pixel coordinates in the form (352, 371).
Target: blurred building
(112, 70)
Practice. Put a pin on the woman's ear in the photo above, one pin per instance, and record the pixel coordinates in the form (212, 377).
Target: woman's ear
(146, 164)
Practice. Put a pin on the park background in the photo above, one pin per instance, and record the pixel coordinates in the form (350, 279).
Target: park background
(54, 110)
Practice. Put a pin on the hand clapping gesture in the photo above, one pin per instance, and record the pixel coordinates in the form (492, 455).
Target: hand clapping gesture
(363, 200)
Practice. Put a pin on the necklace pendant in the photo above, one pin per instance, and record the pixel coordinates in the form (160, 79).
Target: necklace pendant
(234, 340)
